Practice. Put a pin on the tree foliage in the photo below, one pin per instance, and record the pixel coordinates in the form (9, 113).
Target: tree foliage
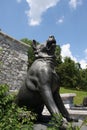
(68, 73)
(31, 57)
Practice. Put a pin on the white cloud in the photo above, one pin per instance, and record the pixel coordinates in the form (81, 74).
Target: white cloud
(60, 20)
(83, 63)
(65, 51)
(75, 3)
(85, 53)
(37, 8)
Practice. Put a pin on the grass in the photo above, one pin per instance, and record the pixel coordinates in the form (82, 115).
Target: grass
(79, 94)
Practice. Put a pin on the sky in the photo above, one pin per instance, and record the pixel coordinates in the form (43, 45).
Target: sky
(38, 19)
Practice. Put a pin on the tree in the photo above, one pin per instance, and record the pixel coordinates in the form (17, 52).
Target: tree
(58, 55)
(31, 57)
(83, 79)
(68, 73)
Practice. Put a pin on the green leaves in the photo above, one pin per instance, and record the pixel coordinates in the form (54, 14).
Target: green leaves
(11, 116)
(3, 89)
(56, 122)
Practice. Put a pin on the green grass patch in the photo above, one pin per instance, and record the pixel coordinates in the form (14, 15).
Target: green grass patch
(80, 94)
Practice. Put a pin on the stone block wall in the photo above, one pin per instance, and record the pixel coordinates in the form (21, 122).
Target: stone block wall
(13, 61)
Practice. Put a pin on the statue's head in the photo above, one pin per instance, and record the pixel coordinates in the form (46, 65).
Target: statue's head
(45, 50)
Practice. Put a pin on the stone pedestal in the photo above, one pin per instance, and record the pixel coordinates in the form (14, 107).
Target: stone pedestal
(68, 99)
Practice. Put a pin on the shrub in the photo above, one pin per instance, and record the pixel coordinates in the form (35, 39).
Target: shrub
(11, 116)
(56, 122)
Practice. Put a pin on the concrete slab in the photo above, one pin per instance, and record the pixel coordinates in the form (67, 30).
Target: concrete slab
(80, 114)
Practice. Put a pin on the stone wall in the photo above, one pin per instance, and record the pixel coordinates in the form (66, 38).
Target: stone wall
(13, 61)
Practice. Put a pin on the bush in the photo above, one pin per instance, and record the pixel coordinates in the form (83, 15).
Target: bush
(11, 116)
(56, 122)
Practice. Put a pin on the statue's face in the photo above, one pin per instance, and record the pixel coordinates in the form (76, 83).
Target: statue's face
(44, 50)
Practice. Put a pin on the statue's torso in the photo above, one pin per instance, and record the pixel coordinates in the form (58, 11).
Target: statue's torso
(42, 72)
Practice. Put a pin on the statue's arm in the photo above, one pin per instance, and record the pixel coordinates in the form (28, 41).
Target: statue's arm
(47, 96)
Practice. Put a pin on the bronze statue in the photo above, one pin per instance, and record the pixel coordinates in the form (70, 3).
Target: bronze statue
(41, 86)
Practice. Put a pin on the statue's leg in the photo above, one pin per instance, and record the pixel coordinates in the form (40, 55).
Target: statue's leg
(38, 109)
(61, 106)
(48, 100)
(30, 99)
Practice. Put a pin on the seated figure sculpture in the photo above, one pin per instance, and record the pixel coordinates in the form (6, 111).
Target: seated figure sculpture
(41, 85)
